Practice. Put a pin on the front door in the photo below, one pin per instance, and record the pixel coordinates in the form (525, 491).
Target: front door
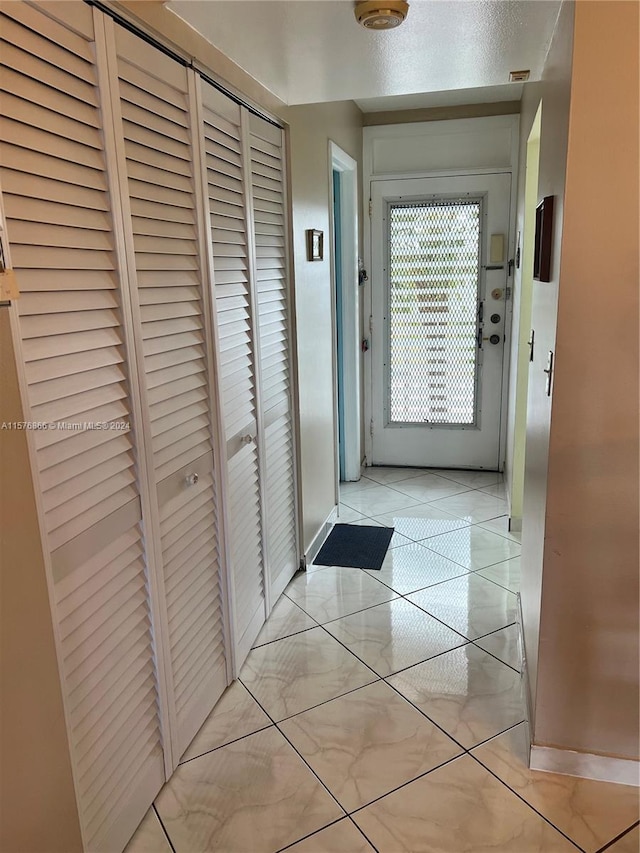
(439, 265)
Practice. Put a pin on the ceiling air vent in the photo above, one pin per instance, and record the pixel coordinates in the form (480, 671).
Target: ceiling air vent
(381, 14)
(519, 76)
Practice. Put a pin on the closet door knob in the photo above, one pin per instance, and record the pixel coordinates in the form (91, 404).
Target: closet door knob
(192, 479)
(247, 439)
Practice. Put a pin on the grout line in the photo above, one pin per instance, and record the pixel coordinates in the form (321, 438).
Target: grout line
(163, 827)
(362, 832)
(286, 636)
(311, 834)
(404, 784)
(420, 711)
(487, 652)
(324, 702)
(222, 745)
(494, 631)
(520, 797)
(609, 844)
(362, 609)
(521, 722)
(302, 758)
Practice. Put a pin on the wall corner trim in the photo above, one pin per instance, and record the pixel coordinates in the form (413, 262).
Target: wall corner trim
(601, 768)
(318, 540)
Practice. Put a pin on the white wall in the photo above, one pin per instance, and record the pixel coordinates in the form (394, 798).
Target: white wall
(310, 129)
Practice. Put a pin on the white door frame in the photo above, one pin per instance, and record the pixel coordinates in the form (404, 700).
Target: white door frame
(341, 162)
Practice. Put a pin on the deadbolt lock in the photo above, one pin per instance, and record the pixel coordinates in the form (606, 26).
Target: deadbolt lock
(494, 339)
(495, 318)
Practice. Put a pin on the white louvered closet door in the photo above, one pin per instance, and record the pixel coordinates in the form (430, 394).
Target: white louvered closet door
(60, 229)
(274, 325)
(226, 186)
(175, 349)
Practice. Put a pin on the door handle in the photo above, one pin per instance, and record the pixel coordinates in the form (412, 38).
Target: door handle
(192, 479)
(479, 338)
(549, 371)
(247, 439)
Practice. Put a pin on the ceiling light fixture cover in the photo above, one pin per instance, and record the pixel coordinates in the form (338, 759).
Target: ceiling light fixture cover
(381, 14)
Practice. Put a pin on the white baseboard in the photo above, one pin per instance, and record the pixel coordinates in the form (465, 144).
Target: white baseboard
(602, 768)
(321, 535)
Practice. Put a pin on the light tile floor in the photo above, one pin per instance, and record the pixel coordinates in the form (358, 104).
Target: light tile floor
(383, 710)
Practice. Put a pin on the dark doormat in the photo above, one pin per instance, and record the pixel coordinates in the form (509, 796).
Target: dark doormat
(356, 546)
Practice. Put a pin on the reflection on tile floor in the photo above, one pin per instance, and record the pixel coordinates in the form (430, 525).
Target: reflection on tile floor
(383, 710)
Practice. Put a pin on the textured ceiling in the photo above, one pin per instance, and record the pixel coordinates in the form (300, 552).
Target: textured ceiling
(308, 51)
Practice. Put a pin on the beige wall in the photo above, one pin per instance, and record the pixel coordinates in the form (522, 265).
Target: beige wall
(36, 790)
(311, 129)
(554, 91)
(587, 693)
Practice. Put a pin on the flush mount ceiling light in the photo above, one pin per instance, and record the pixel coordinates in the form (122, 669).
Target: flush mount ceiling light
(381, 14)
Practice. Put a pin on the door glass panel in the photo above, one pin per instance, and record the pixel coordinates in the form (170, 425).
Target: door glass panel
(433, 278)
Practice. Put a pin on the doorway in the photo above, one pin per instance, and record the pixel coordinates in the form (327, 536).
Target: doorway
(522, 309)
(439, 276)
(343, 190)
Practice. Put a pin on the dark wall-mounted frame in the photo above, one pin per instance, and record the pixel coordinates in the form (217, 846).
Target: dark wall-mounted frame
(315, 245)
(544, 240)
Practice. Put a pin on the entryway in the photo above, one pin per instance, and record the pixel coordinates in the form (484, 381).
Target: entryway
(439, 278)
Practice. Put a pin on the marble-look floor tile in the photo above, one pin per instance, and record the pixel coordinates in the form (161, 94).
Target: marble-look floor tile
(458, 808)
(497, 490)
(379, 499)
(393, 636)
(346, 515)
(285, 619)
(412, 567)
(149, 837)
(590, 813)
(507, 574)
(386, 475)
(360, 485)
(470, 604)
(473, 547)
(421, 521)
(500, 525)
(340, 837)
(629, 843)
(396, 540)
(235, 715)
(296, 673)
(367, 743)
(429, 487)
(336, 592)
(473, 506)
(467, 692)
(505, 645)
(472, 479)
(252, 795)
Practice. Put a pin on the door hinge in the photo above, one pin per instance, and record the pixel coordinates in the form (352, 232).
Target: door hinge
(371, 427)
(370, 207)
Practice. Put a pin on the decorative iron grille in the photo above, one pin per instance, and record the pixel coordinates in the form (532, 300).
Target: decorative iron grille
(434, 266)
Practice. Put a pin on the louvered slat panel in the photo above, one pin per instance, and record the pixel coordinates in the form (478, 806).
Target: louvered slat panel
(267, 185)
(225, 174)
(61, 234)
(160, 169)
